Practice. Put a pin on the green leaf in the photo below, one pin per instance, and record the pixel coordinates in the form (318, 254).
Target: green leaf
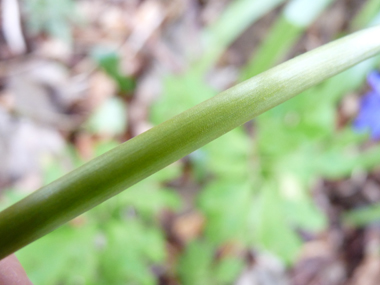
(227, 270)
(109, 61)
(228, 156)
(270, 226)
(195, 264)
(131, 248)
(363, 216)
(226, 205)
(55, 259)
(110, 119)
(199, 266)
(51, 16)
(180, 93)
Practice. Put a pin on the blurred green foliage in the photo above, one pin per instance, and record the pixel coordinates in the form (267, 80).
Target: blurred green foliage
(53, 17)
(255, 184)
(109, 61)
(259, 191)
(197, 265)
(110, 118)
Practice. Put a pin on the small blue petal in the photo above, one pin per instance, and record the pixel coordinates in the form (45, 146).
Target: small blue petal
(368, 118)
(376, 133)
(373, 80)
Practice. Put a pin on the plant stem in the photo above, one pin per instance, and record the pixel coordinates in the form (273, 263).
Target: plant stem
(102, 178)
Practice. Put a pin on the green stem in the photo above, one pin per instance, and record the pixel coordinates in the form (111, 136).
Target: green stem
(111, 173)
(367, 13)
(296, 17)
(237, 17)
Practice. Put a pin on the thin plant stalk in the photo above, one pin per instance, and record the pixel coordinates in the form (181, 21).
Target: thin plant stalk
(369, 10)
(105, 176)
(296, 17)
(237, 17)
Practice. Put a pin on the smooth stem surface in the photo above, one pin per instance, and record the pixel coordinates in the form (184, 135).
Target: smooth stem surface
(111, 173)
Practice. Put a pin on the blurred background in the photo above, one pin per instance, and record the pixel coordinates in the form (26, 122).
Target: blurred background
(289, 198)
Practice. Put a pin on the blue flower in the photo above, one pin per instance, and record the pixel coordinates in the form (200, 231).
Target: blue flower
(373, 80)
(368, 118)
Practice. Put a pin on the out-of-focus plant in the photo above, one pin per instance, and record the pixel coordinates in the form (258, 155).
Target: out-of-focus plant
(51, 16)
(295, 18)
(109, 61)
(191, 85)
(370, 11)
(363, 216)
(284, 166)
(110, 118)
